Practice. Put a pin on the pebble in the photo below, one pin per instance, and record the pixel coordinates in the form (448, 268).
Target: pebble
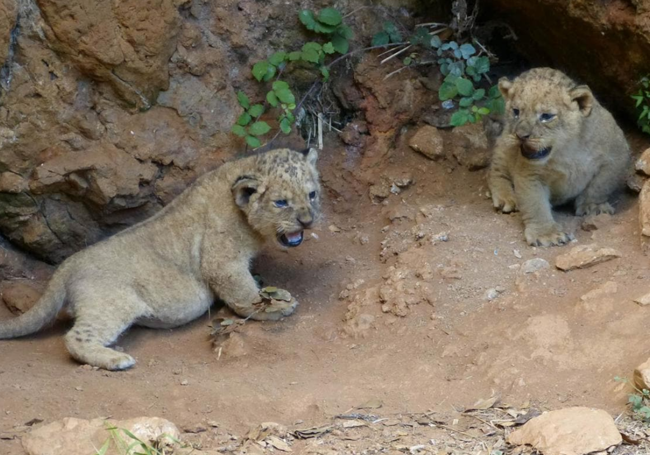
(534, 265)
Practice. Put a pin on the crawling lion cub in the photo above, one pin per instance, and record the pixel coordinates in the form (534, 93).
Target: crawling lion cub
(167, 270)
(558, 144)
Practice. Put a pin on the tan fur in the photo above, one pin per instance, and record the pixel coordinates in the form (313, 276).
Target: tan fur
(588, 157)
(167, 270)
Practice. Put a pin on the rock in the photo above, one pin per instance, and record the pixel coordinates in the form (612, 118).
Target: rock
(641, 376)
(534, 265)
(644, 209)
(470, 146)
(583, 256)
(643, 300)
(8, 12)
(493, 293)
(570, 431)
(635, 182)
(12, 183)
(20, 296)
(595, 222)
(608, 288)
(428, 141)
(642, 165)
(72, 436)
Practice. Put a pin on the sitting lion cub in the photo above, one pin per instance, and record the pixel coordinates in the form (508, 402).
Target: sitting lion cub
(558, 144)
(167, 270)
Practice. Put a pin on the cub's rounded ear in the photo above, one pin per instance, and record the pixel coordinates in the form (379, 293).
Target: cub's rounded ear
(504, 87)
(311, 155)
(584, 97)
(244, 187)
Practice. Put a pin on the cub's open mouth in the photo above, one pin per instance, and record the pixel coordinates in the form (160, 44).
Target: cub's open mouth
(290, 240)
(535, 154)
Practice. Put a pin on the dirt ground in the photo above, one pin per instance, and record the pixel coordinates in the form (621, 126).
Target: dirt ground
(460, 322)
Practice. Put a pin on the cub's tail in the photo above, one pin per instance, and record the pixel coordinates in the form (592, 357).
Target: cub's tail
(43, 312)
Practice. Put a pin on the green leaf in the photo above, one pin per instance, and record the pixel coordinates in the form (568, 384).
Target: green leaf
(256, 110)
(465, 102)
(464, 86)
(460, 117)
(324, 28)
(277, 58)
(270, 72)
(285, 96)
(436, 41)
(259, 128)
(272, 99)
(393, 33)
(497, 105)
(238, 130)
(447, 91)
(325, 72)
(345, 31)
(260, 70)
(307, 18)
(479, 94)
(285, 125)
(328, 48)
(484, 111)
(340, 44)
(104, 448)
(310, 55)
(280, 85)
(293, 56)
(494, 92)
(253, 141)
(380, 39)
(467, 50)
(243, 99)
(330, 16)
(420, 37)
(407, 61)
(482, 65)
(457, 68)
(244, 119)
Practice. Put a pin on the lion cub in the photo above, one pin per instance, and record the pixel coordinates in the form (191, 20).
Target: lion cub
(167, 270)
(558, 144)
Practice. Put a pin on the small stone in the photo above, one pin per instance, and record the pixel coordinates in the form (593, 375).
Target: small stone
(570, 431)
(595, 222)
(635, 182)
(643, 300)
(583, 256)
(364, 239)
(428, 141)
(20, 296)
(642, 165)
(440, 237)
(608, 288)
(334, 229)
(184, 382)
(534, 265)
(517, 254)
(79, 388)
(213, 423)
(491, 294)
(642, 376)
(644, 209)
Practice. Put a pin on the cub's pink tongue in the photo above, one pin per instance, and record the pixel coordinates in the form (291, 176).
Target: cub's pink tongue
(296, 236)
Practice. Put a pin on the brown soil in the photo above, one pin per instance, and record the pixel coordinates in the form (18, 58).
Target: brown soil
(437, 344)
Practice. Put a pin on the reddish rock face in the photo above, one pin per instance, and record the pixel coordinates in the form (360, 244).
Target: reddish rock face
(604, 44)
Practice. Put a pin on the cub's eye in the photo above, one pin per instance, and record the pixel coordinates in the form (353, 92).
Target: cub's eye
(281, 203)
(546, 117)
(515, 112)
(312, 195)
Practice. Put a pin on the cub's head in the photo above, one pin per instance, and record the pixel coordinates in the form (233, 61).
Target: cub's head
(281, 194)
(544, 109)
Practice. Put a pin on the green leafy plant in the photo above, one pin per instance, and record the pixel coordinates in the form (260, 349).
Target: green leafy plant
(465, 70)
(642, 99)
(462, 68)
(639, 401)
(328, 22)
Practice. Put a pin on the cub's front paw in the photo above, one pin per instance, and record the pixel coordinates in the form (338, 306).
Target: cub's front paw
(552, 236)
(586, 209)
(504, 201)
(275, 310)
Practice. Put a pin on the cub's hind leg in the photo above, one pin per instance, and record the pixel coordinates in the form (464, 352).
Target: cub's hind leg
(99, 321)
